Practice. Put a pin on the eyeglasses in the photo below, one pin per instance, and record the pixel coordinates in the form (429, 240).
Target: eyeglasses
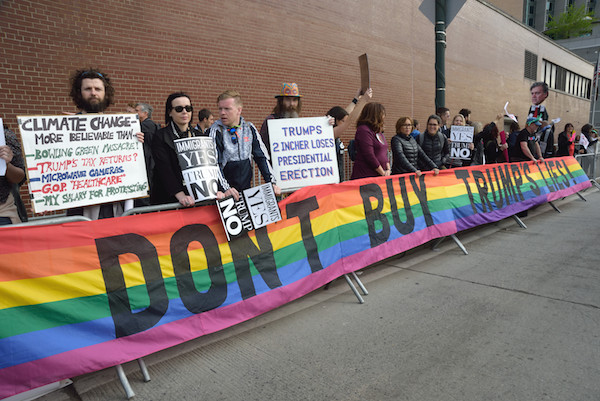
(233, 133)
(179, 109)
(406, 125)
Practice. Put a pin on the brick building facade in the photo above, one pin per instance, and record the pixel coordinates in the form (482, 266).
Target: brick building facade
(152, 48)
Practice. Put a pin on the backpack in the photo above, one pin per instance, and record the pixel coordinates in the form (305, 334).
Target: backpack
(352, 149)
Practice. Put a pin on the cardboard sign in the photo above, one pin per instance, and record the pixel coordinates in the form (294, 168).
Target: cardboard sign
(199, 164)
(461, 137)
(256, 208)
(2, 143)
(303, 152)
(365, 77)
(82, 160)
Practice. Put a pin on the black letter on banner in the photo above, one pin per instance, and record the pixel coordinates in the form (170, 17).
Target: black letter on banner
(549, 186)
(482, 188)
(509, 190)
(127, 322)
(193, 300)
(302, 210)
(498, 191)
(568, 171)
(367, 192)
(243, 248)
(518, 180)
(463, 175)
(422, 195)
(550, 167)
(409, 226)
(534, 188)
(566, 182)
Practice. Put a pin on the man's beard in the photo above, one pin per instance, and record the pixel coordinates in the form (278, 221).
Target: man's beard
(290, 113)
(96, 107)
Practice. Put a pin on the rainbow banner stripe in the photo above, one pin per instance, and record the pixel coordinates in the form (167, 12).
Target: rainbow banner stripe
(79, 297)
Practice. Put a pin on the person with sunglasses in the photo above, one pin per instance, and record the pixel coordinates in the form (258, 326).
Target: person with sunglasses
(167, 185)
(238, 142)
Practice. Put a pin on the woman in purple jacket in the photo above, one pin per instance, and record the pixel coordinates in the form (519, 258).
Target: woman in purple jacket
(371, 158)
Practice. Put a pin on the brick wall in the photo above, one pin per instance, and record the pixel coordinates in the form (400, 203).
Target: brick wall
(153, 48)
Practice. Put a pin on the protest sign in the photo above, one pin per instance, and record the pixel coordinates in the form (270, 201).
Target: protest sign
(256, 208)
(461, 137)
(303, 152)
(2, 143)
(82, 160)
(199, 164)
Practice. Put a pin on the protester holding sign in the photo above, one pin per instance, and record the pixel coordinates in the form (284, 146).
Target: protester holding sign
(342, 120)
(238, 142)
(167, 186)
(289, 105)
(13, 173)
(406, 152)
(92, 92)
(371, 147)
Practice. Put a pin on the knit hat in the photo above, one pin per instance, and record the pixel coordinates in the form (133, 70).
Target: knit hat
(289, 90)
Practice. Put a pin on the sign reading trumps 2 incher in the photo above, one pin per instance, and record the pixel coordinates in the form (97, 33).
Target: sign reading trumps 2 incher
(303, 152)
(82, 160)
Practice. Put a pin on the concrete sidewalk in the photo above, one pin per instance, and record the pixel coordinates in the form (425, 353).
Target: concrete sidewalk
(516, 319)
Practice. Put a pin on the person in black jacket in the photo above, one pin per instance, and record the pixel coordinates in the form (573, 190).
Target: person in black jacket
(406, 153)
(434, 143)
(167, 185)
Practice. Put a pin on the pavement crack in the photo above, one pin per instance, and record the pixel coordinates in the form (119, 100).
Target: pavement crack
(503, 288)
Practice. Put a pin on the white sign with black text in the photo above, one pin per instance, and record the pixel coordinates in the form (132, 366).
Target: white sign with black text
(256, 208)
(198, 160)
(303, 152)
(461, 137)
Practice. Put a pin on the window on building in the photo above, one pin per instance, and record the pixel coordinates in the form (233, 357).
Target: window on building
(561, 79)
(530, 65)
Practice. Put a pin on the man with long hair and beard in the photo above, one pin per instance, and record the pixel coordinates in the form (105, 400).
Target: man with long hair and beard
(92, 92)
(289, 105)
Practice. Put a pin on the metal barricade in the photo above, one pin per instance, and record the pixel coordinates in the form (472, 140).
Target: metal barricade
(590, 163)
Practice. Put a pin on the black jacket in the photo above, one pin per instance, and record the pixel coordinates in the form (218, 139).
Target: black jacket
(406, 152)
(436, 147)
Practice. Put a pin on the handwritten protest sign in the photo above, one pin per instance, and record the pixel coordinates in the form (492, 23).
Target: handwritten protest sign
(256, 208)
(82, 160)
(303, 152)
(461, 137)
(199, 164)
(2, 143)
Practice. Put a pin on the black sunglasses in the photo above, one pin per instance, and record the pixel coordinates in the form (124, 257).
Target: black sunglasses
(179, 109)
(232, 131)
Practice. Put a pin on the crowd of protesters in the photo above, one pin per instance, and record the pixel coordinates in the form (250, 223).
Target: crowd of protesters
(239, 142)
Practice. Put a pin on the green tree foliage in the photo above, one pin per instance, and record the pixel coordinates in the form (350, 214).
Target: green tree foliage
(573, 23)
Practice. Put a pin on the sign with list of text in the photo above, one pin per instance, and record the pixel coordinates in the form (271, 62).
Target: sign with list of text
(84, 159)
(303, 152)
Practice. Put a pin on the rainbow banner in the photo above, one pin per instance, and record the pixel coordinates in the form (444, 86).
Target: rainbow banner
(79, 297)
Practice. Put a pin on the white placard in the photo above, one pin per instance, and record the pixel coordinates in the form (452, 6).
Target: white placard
(2, 143)
(303, 152)
(461, 137)
(83, 159)
(256, 208)
(199, 164)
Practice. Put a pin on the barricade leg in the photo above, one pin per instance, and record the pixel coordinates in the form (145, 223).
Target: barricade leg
(144, 370)
(360, 284)
(581, 197)
(456, 241)
(554, 207)
(124, 382)
(354, 290)
(519, 221)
